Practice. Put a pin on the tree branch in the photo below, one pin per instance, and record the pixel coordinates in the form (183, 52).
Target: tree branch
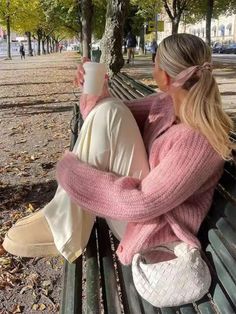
(174, 6)
(168, 11)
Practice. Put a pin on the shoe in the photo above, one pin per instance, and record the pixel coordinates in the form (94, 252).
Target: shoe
(30, 237)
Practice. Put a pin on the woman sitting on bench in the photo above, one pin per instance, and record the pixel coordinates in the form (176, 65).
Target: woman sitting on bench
(147, 201)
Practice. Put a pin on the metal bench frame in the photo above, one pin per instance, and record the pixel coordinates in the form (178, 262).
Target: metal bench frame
(98, 283)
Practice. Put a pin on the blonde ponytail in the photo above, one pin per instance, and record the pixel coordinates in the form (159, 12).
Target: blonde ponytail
(202, 107)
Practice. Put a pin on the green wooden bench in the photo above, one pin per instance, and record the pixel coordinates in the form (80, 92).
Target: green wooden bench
(98, 283)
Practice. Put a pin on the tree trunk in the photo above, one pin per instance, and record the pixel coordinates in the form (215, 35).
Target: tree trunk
(39, 37)
(8, 31)
(113, 35)
(178, 7)
(57, 45)
(47, 44)
(43, 43)
(86, 21)
(53, 45)
(142, 43)
(50, 45)
(175, 25)
(210, 5)
(30, 51)
(43, 46)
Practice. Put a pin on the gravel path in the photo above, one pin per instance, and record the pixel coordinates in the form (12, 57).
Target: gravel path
(36, 100)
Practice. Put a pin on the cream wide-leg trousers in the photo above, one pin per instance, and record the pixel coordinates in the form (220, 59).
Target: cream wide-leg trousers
(109, 140)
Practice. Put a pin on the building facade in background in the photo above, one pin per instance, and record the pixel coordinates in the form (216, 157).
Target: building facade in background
(223, 29)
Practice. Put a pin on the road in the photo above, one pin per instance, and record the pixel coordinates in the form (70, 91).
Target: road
(224, 58)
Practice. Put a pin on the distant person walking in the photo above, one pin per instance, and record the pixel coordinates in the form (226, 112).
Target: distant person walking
(22, 51)
(131, 44)
(153, 47)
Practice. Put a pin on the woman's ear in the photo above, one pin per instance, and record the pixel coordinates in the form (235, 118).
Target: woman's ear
(166, 80)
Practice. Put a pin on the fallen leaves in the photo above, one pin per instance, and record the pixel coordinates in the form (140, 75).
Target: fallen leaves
(2, 251)
(32, 279)
(5, 261)
(39, 307)
(17, 309)
(9, 272)
(30, 208)
(34, 136)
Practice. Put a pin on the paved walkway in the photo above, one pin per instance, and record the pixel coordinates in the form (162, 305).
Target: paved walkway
(225, 74)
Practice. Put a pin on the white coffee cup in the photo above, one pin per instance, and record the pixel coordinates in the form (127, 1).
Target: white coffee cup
(94, 78)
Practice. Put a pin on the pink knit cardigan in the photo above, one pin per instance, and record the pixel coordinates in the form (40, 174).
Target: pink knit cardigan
(171, 202)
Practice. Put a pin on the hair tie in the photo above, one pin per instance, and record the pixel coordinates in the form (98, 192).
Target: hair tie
(184, 75)
(207, 66)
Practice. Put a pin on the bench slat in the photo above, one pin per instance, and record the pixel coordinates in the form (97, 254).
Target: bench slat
(114, 94)
(131, 300)
(221, 301)
(92, 276)
(222, 252)
(222, 274)
(187, 309)
(229, 234)
(108, 276)
(72, 288)
(146, 90)
(121, 90)
(230, 213)
(134, 93)
(206, 307)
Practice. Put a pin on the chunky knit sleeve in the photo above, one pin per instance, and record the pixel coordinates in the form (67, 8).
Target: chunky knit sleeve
(184, 169)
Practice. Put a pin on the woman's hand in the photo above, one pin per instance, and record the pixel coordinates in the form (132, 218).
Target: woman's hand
(88, 102)
(79, 76)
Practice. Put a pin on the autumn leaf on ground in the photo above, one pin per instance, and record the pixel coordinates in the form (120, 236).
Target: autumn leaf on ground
(17, 309)
(30, 208)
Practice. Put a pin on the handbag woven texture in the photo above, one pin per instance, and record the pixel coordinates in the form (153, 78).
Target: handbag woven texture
(184, 279)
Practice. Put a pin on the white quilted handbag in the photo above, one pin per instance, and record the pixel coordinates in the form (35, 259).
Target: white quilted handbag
(184, 279)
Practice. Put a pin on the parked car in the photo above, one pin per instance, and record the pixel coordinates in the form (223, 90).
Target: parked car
(231, 48)
(219, 48)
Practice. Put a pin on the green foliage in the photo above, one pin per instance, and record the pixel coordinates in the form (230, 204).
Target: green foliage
(8, 10)
(148, 8)
(133, 21)
(61, 16)
(196, 10)
(99, 18)
(51, 16)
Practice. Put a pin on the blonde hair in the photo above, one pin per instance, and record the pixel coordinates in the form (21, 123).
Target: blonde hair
(202, 108)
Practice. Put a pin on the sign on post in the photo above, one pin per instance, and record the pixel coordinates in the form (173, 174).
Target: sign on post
(151, 26)
(160, 26)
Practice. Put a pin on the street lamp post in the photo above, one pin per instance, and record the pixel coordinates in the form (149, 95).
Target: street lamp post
(145, 32)
(8, 30)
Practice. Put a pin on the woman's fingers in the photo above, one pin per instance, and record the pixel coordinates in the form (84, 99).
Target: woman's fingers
(79, 76)
(85, 59)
